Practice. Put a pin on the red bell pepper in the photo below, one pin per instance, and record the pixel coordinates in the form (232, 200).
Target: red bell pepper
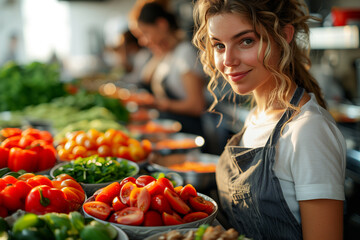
(44, 199)
(22, 159)
(46, 156)
(4, 156)
(14, 195)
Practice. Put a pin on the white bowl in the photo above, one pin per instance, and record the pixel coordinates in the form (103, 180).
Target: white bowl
(141, 232)
(90, 188)
(121, 235)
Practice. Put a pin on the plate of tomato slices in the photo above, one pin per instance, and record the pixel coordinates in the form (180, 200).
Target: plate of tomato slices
(144, 206)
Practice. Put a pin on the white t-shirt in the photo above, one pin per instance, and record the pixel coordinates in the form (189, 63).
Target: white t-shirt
(181, 60)
(310, 155)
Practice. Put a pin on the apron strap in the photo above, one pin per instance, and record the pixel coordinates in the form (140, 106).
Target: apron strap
(295, 100)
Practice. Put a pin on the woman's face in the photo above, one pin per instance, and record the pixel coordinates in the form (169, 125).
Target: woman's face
(235, 48)
(151, 36)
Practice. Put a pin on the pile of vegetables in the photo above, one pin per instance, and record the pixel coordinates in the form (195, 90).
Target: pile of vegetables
(38, 194)
(57, 226)
(31, 149)
(30, 84)
(146, 201)
(111, 143)
(95, 169)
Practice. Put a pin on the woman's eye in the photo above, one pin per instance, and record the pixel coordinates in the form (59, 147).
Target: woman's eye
(247, 41)
(218, 46)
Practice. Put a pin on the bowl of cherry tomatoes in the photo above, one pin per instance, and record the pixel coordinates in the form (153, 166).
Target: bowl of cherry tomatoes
(144, 206)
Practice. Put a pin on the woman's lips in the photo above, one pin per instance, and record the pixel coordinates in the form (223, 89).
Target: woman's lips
(235, 77)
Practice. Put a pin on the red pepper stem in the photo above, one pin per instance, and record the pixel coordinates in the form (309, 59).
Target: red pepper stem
(43, 200)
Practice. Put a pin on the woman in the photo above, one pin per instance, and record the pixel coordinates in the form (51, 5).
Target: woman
(282, 176)
(177, 81)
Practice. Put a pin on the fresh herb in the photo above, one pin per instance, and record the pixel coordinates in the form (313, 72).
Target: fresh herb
(95, 169)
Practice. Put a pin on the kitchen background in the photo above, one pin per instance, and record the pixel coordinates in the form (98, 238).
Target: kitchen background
(75, 33)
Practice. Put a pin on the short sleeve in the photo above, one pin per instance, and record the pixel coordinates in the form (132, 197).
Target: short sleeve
(316, 158)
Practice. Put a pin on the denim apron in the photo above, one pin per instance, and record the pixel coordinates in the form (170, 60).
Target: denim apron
(250, 193)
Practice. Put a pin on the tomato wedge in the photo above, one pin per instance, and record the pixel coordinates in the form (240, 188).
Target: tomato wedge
(165, 183)
(127, 179)
(187, 191)
(144, 180)
(201, 204)
(125, 192)
(130, 216)
(97, 209)
(171, 219)
(109, 193)
(152, 218)
(160, 204)
(176, 202)
(140, 198)
(194, 216)
(117, 204)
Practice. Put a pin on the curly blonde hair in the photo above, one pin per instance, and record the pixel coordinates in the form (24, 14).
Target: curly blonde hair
(269, 19)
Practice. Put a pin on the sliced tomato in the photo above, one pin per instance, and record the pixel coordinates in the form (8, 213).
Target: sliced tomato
(171, 219)
(187, 191)
(160, 204)
(152, 218)
(117, 205)
(97, 209)
(194, 216)
(109, 193)
(130, 216)
(154, 188)
(178, 189)
(140, 198)
(199, 203)
(165, 183)
(125, 192)
(144, 180)
(176, 202)
(127, 179)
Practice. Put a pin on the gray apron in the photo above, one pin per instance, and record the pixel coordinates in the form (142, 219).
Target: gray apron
(250, 193)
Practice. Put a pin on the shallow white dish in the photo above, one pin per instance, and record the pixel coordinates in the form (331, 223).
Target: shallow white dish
(141, 232)
(181, 231)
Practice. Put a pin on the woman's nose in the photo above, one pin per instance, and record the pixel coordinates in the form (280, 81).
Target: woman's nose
(231, 58)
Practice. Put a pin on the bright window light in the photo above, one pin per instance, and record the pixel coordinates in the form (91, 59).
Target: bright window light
(346, 37)
(46, 29)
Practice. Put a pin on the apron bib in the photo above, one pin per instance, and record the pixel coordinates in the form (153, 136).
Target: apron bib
(249, 191)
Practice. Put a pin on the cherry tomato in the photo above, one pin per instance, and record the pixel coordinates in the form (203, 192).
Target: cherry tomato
(140, 198)
(152, 218)
(109, 193)
(104, 150)
(127, 179)
(194, 216)
(160, 204)
(125, 192)
(90, 144)
(97, 209)
(154, 188)
(178, 189)
(93, 134)
(146, 145)
(144, 180)
(176, 202)
(117, 205)
(201, 204)
(130, 216)
(69, 145)
(109, 135)
(171, 219)
(79, 151)
(123, 152)
(187, 191)
(101, 140)
(164, 182)
(81, 138)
